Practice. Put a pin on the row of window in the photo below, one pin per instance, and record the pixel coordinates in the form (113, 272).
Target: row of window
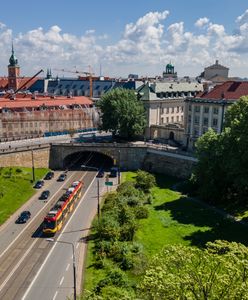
(175, 94)
(205, 109)
(168, 110)
(171, 119)
(205, 121)
(44, 124)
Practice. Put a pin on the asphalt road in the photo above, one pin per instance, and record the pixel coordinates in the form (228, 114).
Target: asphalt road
(30, 266)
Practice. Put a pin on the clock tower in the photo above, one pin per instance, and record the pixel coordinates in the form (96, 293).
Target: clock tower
(13, 71)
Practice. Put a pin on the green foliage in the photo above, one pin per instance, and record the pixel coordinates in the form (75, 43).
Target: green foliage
(180, 272)
(144, 181)
(141, 212)
(122, 113)
(108, 228)
(222, 171)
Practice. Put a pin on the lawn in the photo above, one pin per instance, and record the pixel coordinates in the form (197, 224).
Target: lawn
(16, 189)
(174, 219)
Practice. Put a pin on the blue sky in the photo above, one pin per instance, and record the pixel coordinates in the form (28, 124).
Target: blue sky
(125, 36)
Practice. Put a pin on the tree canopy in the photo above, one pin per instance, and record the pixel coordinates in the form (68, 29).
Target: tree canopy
(122, 113)
(222, 171)
(181, 272)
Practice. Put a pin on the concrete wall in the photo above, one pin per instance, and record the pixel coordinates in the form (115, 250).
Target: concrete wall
(24, 158)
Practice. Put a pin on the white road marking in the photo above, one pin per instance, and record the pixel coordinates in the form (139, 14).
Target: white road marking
(61, 281)
(67, 268)
(32, 220)
(55, 295)
(77, 245)
(17, 265)
(51, 251)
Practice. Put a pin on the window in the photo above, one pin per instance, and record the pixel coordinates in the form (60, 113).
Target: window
(189, 118)
(177, 118)
(172, 119)
(215, 122)
(182, 108)
(190, 108)
(182, 118)
(197, 108)
(177, 108)
(196, 132)
(167, 110)
(172, 109)
(197, 119)
(216, 110)
(162, 120)
(206, 109)
(167, 120)
(205, 121)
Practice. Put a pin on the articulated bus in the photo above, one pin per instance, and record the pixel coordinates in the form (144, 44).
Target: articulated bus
(54, 220)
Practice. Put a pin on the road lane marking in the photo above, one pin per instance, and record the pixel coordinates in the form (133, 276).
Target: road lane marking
(51, 251)
(61, 281)
(55, 295)
(77, 246)
(33, 219)
(67, 268)
(17, 265)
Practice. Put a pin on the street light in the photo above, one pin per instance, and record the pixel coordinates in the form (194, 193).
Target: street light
(119, 165)
(74, 262)
(32, 154)
(98, 191)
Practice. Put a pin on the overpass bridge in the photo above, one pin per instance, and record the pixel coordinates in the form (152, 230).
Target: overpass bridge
(129, 156)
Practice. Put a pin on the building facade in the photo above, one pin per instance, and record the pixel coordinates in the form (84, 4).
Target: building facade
(208, 109)
(164, 103)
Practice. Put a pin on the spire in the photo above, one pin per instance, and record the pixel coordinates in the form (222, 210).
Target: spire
(13, 62)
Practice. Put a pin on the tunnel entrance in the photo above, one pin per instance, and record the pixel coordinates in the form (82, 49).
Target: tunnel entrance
(89, 159)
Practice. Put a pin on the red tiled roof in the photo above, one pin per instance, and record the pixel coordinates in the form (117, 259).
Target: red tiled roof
(21, 82)
(229, 90)
(26, 101)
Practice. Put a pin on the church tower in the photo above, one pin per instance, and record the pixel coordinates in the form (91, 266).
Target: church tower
(13, 71)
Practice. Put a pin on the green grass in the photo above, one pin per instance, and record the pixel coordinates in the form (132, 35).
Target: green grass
(16, 188)
(174, 219)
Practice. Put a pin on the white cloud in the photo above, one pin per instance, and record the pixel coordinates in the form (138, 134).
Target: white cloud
(201, 22)
(144, 48)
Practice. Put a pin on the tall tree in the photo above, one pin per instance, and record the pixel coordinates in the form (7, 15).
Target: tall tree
(122, 113)
(182, 272)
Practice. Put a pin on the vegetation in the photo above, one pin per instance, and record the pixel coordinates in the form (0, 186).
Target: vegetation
(122, 113)
(179, 272)
(173, 224)
(16, 188)
(222, 171)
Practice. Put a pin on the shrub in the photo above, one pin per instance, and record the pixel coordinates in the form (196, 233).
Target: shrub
(108, 228)
(18, 171)
(128, 230)
(145, 181)
(141, 212)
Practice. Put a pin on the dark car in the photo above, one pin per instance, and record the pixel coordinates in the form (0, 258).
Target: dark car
(39, 184)
(113, 172)
(100, 174)
(62, 177)
(49, 176)
(23, 217)
(44, 195)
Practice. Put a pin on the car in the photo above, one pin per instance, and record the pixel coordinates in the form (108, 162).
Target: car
(100, 174)
(44, 195)
(23, 217)
(62, 177)
(113, 172)
(39, 184)
(49, 176)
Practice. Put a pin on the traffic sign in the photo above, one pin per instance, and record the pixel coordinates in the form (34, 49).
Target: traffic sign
(109, 183)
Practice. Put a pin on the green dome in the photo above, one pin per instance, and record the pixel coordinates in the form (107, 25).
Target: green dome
(13, 60)
(169, 66)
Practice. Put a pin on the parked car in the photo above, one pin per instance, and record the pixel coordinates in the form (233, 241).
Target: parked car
(100, 174)
(23, 217)
(49, 176)
(39, 184)
(44, 195)
(62, 177)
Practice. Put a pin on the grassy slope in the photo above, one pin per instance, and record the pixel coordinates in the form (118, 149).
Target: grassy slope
(174, 219)
(15, 189)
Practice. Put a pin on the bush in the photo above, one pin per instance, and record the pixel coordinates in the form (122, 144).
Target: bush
(128, 230)
(108, 228)
(141, 212)
(144, 181)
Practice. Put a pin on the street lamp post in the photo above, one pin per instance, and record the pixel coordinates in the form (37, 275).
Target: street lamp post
(32, 154)
(74, 263)
(98, 191)
(119, 167)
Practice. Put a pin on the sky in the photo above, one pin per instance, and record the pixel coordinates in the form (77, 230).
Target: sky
(118, 38)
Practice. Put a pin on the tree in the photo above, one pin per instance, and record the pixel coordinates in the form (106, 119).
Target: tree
(181, 272)
(122, 113)
(222, 171)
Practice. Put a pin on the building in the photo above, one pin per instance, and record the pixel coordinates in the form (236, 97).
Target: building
(38, 115)
(215, 73)
(207, 109)
(169, 72)
(164, 103)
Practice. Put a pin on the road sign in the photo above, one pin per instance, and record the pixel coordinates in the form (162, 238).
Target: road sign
(109, 183)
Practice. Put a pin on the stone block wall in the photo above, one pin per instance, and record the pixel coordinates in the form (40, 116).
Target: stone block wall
(24, 158)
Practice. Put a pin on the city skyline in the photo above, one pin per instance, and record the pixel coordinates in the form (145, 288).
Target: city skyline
(118, 39)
